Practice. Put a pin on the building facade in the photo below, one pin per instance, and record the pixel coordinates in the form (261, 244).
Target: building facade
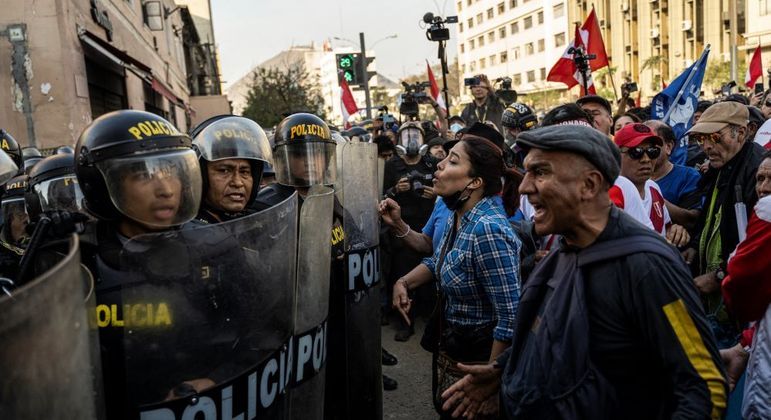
(520, 39)
(653, 41)
(73, 60)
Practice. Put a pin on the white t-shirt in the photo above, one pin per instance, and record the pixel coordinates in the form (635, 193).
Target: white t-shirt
(626, 197)
(654, 204)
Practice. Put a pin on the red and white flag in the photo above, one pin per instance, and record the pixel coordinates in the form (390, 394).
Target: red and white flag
(754, 70)
(435, 93)
(591, 36)
(348, 104)
(566, 71)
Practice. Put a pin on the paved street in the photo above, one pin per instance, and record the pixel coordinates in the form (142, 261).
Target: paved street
(412, 400)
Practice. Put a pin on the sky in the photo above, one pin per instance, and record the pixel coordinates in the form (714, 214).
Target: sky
(249, 32)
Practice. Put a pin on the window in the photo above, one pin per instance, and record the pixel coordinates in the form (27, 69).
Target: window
(479, 18)
(529, 48)
(481, 41)
(512, 4)
(471, 44)
(541, 45)
(517, 79)
(502, 32)
(490, 14)
(501, 8)
(460, 6)
(468, 2)
(531, 76)
(504, 57)
(515, 27)
(462, 48)
(493, 60)
(470, 23)
(559, 10)
(516, 53)
(460, 27)
(765, 7)
(482, 63)
(559, 39)
(491, 37)
(528, 22)
(462, 68)
(543, 73)
(540, 17)
(472, 66)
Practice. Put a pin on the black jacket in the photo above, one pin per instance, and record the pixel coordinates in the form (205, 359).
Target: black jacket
(492, 110)
(739, 171)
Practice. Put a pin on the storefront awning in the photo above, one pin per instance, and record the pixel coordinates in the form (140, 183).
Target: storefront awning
(159, 87)
(114, 54)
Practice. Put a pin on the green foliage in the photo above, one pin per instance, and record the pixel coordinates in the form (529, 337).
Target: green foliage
(718, 73)
(276, 91)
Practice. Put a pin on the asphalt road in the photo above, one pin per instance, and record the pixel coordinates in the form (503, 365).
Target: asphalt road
(412, 399)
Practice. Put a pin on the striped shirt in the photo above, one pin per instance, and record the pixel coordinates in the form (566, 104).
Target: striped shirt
(480, 273)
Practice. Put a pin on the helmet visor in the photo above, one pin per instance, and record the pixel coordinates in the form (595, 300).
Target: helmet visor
(306, 163)
(8, 169)
(158, 190)
(15, 218)
(234, 138)
(61, 193)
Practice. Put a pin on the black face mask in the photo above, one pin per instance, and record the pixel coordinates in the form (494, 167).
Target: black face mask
(456, 200)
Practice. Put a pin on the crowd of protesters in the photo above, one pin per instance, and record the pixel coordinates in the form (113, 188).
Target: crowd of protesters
(568, 268)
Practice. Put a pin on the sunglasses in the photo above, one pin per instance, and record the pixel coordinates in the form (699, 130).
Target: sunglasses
(636, 153)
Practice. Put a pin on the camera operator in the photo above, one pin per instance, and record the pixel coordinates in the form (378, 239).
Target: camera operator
(486, 105)
(408, 180)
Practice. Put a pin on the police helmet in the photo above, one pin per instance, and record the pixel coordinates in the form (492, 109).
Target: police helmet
(304, 152)
(12, 207)
(11, 147)
(65, 150)
(233, 137)
(143, 164)
(31, 156)
(359, 134)
(519, 116)
(411, 137)
(52, 185)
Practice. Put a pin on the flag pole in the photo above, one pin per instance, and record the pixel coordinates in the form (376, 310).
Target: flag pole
(610, 71)
(687, 82)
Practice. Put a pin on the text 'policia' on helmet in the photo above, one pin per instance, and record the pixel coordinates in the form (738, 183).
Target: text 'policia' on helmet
(304, 152)
(13, 152)
(145, 166)
(411, 138)
(53, 186)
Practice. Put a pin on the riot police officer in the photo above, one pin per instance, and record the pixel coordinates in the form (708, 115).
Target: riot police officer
(233, 152)
(13, 234)
(11, 147)
(53, 187)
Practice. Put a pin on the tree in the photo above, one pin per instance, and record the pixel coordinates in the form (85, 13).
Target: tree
(279, 90)
(654, 63)
(718, 73)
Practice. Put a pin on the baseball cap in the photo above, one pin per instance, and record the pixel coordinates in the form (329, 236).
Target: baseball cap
(634, 134)
(596, 99)
(720, 115)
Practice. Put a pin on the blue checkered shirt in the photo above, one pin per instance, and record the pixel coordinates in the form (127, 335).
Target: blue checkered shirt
(480, 273)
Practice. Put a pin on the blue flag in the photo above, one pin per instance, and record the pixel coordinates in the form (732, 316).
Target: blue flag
(676, 105)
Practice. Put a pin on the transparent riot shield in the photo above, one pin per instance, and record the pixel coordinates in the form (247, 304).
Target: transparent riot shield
(207, 318)
(312, 307)
(45, 350)
(355, 295)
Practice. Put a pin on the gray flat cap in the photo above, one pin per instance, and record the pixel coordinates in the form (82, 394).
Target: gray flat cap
(585, 141)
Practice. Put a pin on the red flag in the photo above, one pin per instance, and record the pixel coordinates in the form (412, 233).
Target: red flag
(435, 93)
(639, 98)
(754, 70)
(565, 70)
(348, 103)
(591, 36)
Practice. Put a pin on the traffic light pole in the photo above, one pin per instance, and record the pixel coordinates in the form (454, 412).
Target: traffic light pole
(363, 71)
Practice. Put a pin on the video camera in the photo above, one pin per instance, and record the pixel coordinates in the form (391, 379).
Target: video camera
(506, 93)
(387, 119)
(419, 180)
(437, 31)
(582, 59)
(412, 96)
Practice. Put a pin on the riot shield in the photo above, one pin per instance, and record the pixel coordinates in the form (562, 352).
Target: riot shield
(45, 350)
(312, 304)
(355, 291)
(207, 318)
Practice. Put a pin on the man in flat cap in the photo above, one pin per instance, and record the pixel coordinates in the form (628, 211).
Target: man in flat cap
(609, 324)
(722, 133)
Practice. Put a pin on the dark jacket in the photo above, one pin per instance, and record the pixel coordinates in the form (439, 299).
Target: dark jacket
(492, 110)
(651, 354)
(415, 208)
(739, 171)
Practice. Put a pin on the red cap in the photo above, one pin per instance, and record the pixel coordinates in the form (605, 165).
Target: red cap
(634, 134)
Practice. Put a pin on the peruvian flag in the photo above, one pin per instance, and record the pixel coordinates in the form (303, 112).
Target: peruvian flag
(754, 70)
(565, 71)
(435, 93)
(591, 37)
(348, 106)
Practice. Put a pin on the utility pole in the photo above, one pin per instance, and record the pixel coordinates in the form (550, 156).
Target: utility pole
(734, 36)
(363, 72)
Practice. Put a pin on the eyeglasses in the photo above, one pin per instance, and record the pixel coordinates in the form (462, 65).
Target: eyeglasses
(701, 138)
(636, 153)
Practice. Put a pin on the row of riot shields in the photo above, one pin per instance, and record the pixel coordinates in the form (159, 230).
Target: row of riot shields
(218, 321)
